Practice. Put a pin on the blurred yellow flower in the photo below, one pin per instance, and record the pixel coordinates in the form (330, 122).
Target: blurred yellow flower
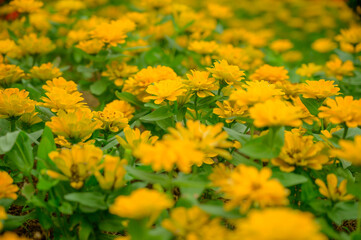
(3, 216)
(265, 225)
(349, 150)
(6, 46)
(26, 6)
(14, 103)
(118, 71)
(75, 164)
(203, 47)
(270, 74)
(338, 69)
(7, 188)
(12, 236)
(323, 45)
(200, 83)
(229, 110)
(350, 39)
(141, 203)
(46, 71)
(231, 74)
(68, 86)
(247, 187)
(121, 106)
(114, 171)
(75, 126)
(32, 44)
(10, 74)
(165, 90)
(193, 223)
(300, 151)
(133, 138)
(332, 191)
(342, 110)
(308, 70)
(281, 45)
(92, 46)
(112, 120)
(319, 89)
(59, 99)
(276, 112)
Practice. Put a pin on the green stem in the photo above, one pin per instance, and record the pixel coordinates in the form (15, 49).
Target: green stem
(12, 125)
(345, 132)
(195, 106)
(359, 217)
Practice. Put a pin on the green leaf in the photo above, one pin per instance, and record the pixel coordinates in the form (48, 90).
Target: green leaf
(99, 87)
(22, 154)
(235, 135)
(7, 142)
(343, 211)
(13, 222)
(44, 113)
(111, 223)
(218, 210)
(354, 188)
(12, 35)
(312, 104)
(239, 159)
(45, 183)
(128, 97)
(148, 177)
(28, 190)
(89, 199)
(265, 147)
(47, 145)
(157, 115)
(85, 230)
(166, 123)
(5, 127)
(289, 179)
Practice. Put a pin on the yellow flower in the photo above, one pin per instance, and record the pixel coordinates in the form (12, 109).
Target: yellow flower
(338, 69)
(6, 46)
(194, 224)
(112, 120)
(201, 83)
(137, 84)
(133, 138)
(32, 44)
(276, 112)
(141, 203)
(26, 6)
(65, 6)
(323, 45)
(75, 36)
(292, 56)
(60, 82)
(211, 140)
(319, 89)
(342, 110)
(92, 46)
(276, 224)
(121, 106)
(30, 118)
(308, 70)
(350, 150)
(231, 74)
(246, 186)
(229, 110)
(350, 39)
(300, 151)
(165, 154)
(75, 164)
(59, 99)
(14, 103)
(331, 191)
(203, 47)
(75, 126)
(117, 71)
(270, 74)
(10, 74)
(3, 216)
(12, 236)
(281, 45)
(114, 171)
(46, 71)
(219, 11)
(7, 188)
(255, 92)
(113, 33)
(165, 90)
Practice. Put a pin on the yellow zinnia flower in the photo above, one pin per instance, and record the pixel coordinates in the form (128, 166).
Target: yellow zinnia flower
(276, 224)
(60, 82)
(92, 46)
(200, 83)
(342, 110)
(300, 151)
(7, 188)
(255, 92)
(308, 70)
(6, 46)
(331, 191)
(193, 223)
(133, 138)
(323, 45)
(281, 45)
(14, 103)
(75, 164)
(350, 39)
(350, 150)
(319, 89)
(121, 106)
(203, 47)
(75, 126)
(231, 74)
(114, 171)
(46, 71)
(229, 110)
(10, 74)
(113, 121)
(245, 187)
(165, 90)
(117, 71)
(270, 74)
(12, 236)
(141, 203)
(26, 6)
(32, 44)
(338, 69)
(59, 99)
(276, 112)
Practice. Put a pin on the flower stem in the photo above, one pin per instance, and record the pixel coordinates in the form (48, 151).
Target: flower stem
(195, 106)
(345, 132)
(12, 125)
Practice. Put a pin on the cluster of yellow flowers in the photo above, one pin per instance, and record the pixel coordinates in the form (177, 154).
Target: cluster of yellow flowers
(184, 119)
